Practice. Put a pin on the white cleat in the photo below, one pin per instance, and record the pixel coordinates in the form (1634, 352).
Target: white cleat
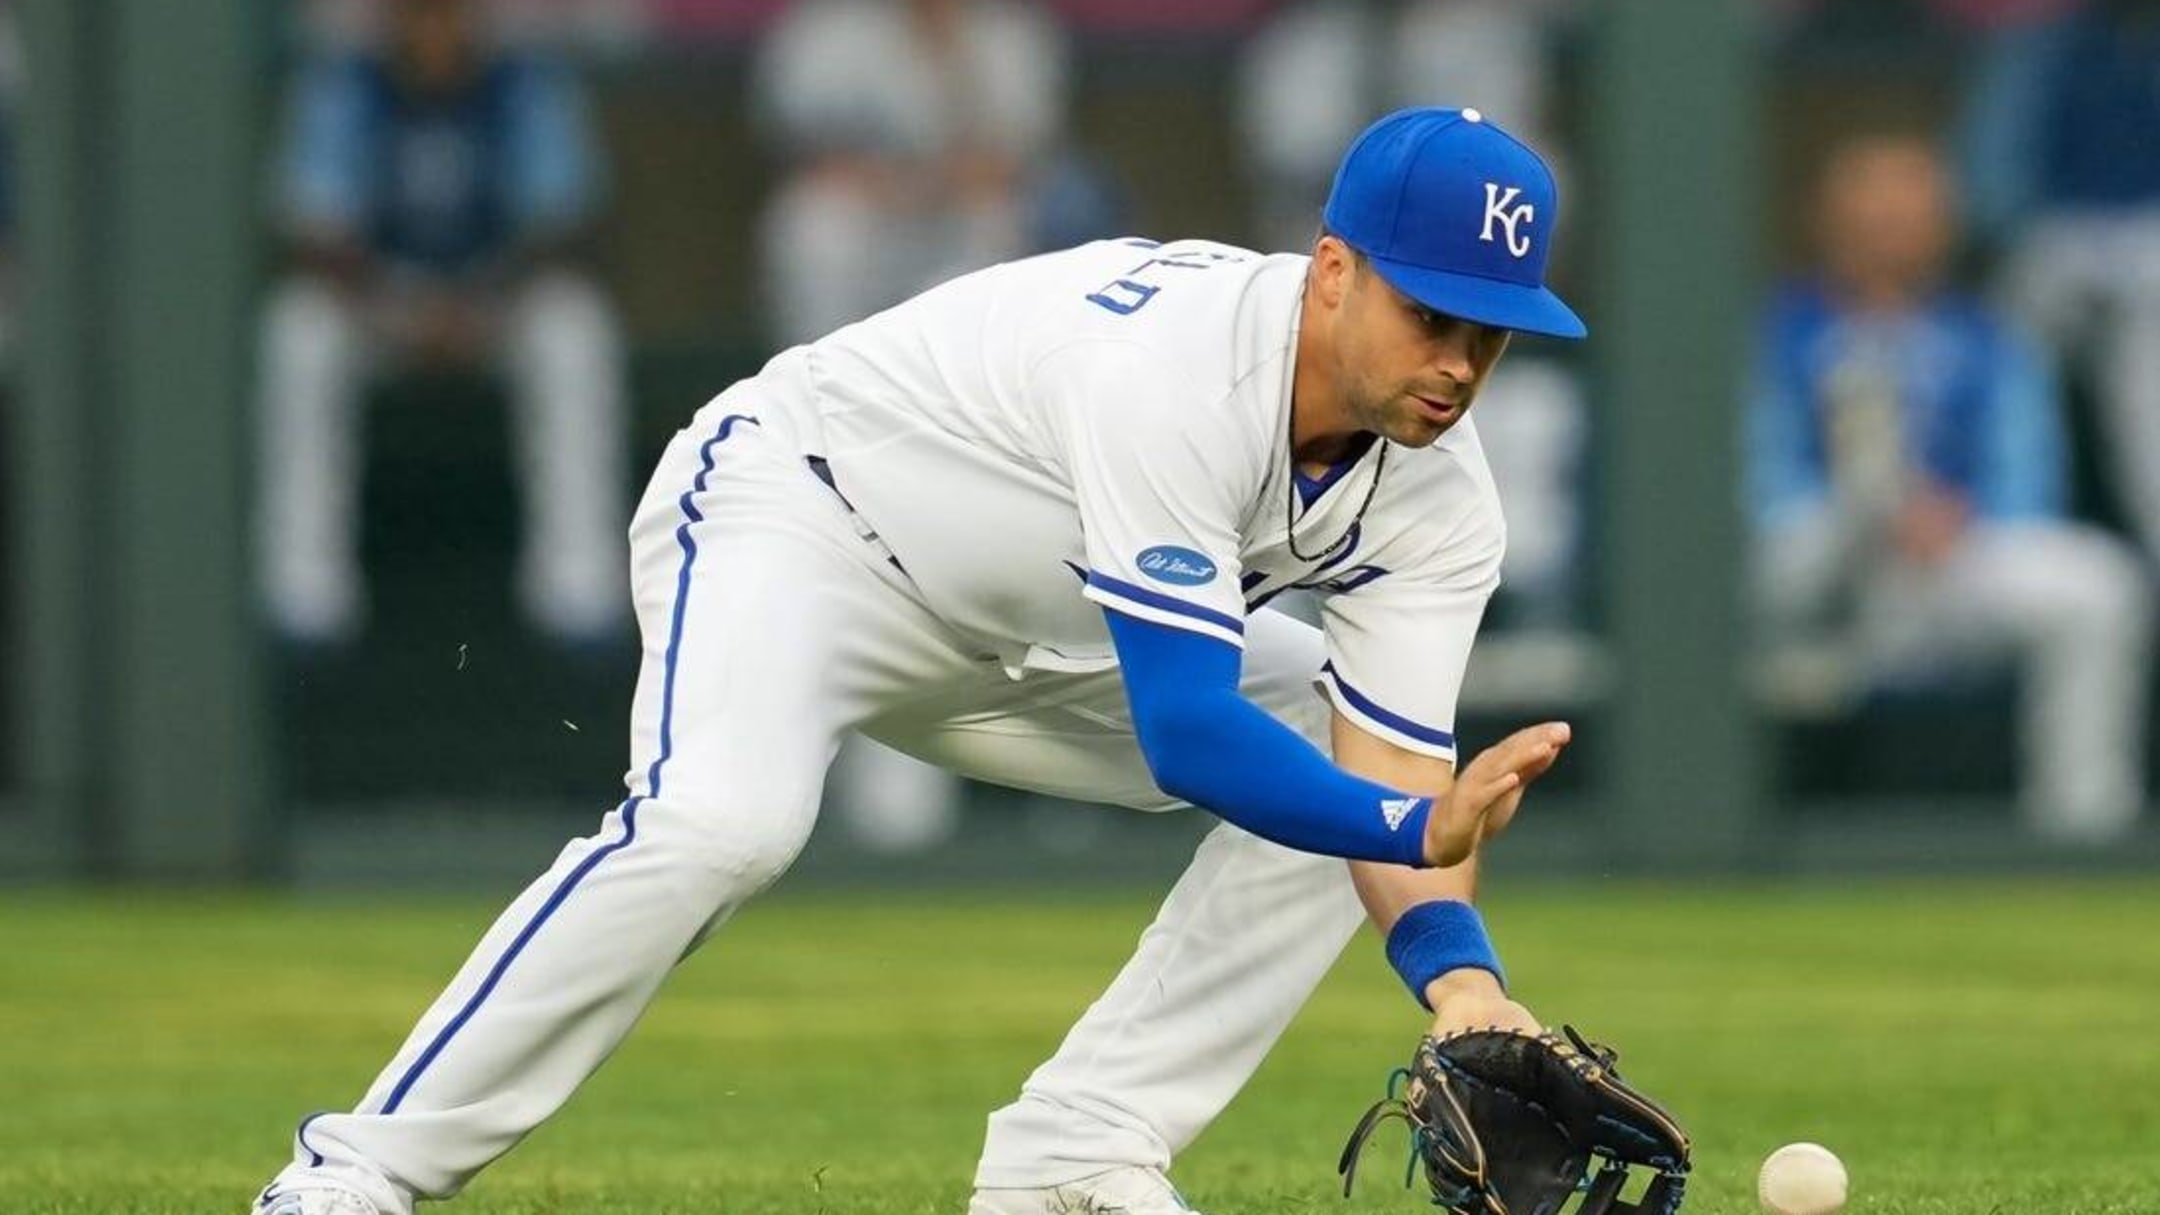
(1127, 1191)
(313, 1200)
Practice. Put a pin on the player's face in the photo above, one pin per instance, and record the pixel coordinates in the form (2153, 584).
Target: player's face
(1408, 373)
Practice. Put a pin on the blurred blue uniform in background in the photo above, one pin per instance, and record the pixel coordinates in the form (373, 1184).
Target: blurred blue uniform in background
(1973, 401)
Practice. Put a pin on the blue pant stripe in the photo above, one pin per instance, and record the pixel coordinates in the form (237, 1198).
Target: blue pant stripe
(315, 1158)
(628, 808)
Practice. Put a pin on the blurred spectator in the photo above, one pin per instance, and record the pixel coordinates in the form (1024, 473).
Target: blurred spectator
(1906, 469)
(916, 135)
(2063, 148)
(1309, 80)
(432, 192)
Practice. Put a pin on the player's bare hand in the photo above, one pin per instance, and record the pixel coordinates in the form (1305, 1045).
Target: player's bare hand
(1472, 999)
(1488, 791)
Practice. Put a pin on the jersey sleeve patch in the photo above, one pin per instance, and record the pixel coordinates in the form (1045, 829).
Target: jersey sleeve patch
(1176, 565)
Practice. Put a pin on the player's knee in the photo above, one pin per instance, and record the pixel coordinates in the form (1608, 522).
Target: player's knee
(754, 858)
(742, 846)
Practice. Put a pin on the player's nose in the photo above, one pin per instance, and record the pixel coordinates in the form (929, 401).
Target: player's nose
(1455, 356)
(1459, 350)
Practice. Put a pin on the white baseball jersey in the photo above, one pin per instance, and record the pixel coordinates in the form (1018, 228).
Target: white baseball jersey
(1108, 427)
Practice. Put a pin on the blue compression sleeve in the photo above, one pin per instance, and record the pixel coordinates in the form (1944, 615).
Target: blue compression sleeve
(1206, 743)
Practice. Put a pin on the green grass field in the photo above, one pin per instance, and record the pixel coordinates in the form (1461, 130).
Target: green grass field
(1968, 1047)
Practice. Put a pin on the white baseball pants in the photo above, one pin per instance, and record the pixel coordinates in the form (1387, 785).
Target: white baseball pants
(772, 625)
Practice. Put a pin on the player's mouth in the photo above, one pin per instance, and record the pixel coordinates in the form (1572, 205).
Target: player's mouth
(1437, 411)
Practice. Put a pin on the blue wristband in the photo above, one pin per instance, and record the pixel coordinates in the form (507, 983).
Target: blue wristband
(1434, 938)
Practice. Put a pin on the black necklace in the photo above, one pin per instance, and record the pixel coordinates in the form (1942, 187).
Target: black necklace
(1290, 507)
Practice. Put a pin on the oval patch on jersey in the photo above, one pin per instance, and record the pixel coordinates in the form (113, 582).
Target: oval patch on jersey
(1177, 566)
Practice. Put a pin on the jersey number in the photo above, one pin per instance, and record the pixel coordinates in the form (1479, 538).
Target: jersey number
(1125, 297)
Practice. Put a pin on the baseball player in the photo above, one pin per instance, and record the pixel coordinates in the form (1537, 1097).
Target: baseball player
(1023, 526)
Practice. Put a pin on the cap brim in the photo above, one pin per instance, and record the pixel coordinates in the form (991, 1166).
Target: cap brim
(1488, 301)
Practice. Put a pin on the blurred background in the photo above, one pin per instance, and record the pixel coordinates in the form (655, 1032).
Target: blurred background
(338, 338)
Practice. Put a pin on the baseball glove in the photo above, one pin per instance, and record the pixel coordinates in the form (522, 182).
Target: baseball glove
(1509, 1123)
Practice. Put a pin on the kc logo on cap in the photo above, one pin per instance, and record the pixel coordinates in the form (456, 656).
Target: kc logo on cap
(1497, 208)
(1455, 213)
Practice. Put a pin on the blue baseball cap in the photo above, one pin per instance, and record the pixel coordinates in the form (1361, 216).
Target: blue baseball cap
(1457, 214)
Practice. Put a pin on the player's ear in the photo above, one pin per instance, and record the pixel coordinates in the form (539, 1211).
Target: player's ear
(1333, 263)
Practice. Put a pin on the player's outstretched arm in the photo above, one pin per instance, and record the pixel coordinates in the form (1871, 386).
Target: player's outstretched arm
(1206, 743)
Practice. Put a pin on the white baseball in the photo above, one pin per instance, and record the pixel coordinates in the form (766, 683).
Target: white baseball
(1801, 1179)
